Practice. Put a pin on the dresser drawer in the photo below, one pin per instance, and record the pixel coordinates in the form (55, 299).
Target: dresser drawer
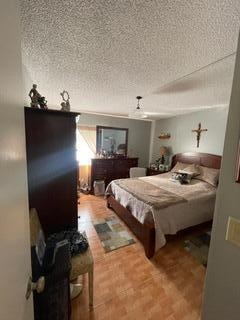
(100, 176)
(129, 163)
(111, 169)
(101, 170)
(133, 163)
(102, 163)
(126, 163)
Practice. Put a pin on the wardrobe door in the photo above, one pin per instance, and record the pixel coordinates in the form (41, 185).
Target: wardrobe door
(52, 167)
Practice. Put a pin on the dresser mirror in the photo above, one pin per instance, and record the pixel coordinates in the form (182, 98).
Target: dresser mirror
(112, 141)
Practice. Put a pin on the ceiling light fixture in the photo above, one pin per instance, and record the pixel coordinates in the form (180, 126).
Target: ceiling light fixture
(137, 113)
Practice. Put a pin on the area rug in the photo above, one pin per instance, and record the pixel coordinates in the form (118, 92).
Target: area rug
(198, 246)
(112, 233)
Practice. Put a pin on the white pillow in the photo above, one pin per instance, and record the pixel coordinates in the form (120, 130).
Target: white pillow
(209, 175)
(193, 169)
(179, 166)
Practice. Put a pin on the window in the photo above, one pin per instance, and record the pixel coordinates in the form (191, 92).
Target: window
(86, 145)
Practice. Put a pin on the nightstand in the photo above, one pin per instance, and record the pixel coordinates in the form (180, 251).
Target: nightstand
(153, 172)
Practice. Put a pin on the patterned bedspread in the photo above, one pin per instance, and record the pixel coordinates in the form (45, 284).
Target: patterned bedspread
(169, 205)
(147, 192)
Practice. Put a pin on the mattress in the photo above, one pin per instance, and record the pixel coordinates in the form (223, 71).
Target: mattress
(197, 208)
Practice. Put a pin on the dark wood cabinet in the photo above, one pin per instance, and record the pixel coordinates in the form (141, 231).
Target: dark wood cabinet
(111, 169)
(52, 167)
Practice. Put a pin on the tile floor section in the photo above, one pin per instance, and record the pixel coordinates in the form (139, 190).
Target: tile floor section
(129, 286)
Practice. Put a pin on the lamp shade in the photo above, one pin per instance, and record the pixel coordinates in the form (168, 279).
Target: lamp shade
(163, 151)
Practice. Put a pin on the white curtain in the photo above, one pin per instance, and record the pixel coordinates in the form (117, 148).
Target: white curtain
(86, 149)
(89, 135)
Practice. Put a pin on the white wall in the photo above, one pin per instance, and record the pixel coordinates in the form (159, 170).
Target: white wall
(14, 225)
(184, 140)
(222, 292)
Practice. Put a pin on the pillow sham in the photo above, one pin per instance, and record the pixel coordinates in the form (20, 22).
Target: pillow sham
(209, 175)
(192, 169)
(179, 166)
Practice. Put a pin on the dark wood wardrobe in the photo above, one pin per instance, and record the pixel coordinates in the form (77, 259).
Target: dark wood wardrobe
(52, 167)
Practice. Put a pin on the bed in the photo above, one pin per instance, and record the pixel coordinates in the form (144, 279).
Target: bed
(190, 206)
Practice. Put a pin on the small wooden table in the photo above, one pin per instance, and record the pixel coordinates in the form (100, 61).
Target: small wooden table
(153, 172)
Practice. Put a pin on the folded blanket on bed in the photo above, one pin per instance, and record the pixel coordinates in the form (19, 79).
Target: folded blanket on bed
(147, 192)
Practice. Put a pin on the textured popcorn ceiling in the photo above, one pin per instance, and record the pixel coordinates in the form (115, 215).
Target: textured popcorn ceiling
(107, 52)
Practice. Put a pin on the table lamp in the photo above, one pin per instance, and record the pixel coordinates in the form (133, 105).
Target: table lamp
(163, 151)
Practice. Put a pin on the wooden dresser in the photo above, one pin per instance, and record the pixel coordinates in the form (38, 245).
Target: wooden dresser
(111, 169)
(52, 167)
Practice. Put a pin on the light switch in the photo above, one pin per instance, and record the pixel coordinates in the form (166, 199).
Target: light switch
(233, 231)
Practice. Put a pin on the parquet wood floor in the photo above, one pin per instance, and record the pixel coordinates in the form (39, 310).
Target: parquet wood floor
(128, 286)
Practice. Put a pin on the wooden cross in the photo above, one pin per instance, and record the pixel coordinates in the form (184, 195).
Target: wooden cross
(199, 131)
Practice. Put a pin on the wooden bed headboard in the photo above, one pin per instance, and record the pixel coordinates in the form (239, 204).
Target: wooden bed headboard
(203, 159)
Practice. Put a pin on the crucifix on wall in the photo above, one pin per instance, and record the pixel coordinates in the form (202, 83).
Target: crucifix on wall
(198, 132)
